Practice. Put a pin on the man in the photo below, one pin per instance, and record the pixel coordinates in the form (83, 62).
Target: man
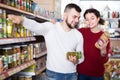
(60, 38)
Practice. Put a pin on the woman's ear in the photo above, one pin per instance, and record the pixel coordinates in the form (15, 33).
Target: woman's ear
(98, 19)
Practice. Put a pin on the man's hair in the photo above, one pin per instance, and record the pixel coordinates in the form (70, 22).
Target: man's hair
(70, 6)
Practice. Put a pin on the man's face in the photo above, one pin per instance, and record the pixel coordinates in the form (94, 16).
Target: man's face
(72, 18)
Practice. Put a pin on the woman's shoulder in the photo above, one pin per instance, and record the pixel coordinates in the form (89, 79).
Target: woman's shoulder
(83, 29)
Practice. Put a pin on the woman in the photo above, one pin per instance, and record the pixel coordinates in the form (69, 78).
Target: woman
(93, 66)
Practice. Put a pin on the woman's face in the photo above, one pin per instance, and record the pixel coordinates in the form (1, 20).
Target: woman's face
(91, 20)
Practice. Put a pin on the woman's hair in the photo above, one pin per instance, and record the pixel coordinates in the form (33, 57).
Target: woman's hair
(97, 14)
(72, 5)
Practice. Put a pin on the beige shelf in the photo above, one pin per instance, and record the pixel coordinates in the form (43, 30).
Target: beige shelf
(114, 38)
(15, 40)
(32, 73)
(41, 54)
(40, 70)
(22, 11)
(15, 70)
(15, 9)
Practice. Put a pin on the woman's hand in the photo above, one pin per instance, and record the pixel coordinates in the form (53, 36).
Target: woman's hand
(102, 47)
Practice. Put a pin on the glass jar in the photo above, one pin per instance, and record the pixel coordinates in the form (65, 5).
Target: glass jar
(21, 78)
(16, 55)
(10, 26)
(8, 57)
(24, 53)
(28, 77)
(104, 37)
(1, 65)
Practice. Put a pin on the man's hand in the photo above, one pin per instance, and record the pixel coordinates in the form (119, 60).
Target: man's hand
(16, 19)
(73, 59)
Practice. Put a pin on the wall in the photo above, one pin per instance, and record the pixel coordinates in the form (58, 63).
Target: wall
(100, 5)
(46, 4)
(85, 4)
(65, 2)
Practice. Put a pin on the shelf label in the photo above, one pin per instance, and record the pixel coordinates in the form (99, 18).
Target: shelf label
(2, 76)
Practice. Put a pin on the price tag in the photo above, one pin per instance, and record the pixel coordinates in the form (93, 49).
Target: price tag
(18, 69)
(10, 72)
(2, 76)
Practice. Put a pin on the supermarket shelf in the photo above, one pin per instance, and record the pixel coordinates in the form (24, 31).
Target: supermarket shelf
(4, 41)
(32, 73)
(41, 54)
(23, 12)
(40, 70)
(114, 38)
(112, 19)
(116, 56)
(15, 70)
(15, 9)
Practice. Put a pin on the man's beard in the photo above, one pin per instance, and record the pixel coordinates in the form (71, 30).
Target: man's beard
(70, 26)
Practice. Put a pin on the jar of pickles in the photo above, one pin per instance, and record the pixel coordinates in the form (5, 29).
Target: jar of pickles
(22, 31)
(10, 26)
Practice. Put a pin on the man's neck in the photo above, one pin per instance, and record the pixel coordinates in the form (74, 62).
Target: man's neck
(65, 27)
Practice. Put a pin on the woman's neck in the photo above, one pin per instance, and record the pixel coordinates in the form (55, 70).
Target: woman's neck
(95, 29)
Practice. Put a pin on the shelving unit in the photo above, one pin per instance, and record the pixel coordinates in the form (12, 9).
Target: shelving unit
(15, 70)
(112, 70)
(11, 41)
(4, 41)
(28, 14)
(32, 73)
(41, 54)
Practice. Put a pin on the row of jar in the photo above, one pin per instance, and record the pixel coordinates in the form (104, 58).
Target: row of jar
(13, 56)
(41, 76)
(9, 29)
(19, 77)
(26, 5)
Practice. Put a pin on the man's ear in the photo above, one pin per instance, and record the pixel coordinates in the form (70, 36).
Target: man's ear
(53, 21)
(64, 16)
